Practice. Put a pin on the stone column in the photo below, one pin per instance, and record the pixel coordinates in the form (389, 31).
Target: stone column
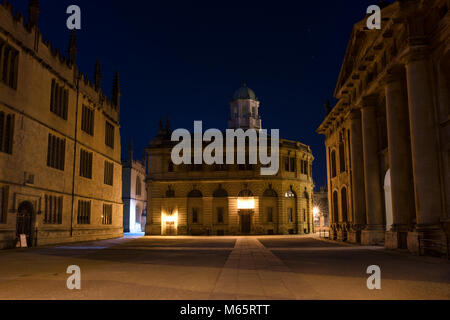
(375, 229)
(424, 147)
(399, 159)
(358, 190)
(330, 192)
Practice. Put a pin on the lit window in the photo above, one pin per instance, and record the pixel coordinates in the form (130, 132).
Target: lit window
(246, 204)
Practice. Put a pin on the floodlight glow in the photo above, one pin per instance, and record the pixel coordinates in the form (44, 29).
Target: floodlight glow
(170, 218)
(316, 211)
(246, 204)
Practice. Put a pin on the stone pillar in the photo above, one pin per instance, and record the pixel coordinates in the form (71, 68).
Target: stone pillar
(375, 229)
(358, 190)
(399, 159)
(424, 147)
(330, 193)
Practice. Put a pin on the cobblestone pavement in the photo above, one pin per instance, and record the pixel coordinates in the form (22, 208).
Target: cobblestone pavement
(220, 268)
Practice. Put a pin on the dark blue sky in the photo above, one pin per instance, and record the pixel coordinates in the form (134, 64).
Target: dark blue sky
(186, 58)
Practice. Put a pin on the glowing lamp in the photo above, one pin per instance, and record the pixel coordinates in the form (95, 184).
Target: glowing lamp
(316, 211)
(246, 204)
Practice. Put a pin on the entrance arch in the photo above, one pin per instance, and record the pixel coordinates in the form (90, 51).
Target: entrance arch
(25, 221)
(246, 210)
(388, 200)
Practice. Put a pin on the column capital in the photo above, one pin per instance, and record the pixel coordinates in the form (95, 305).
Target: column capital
(394, 74)
(417, 53)
(369, 101)
(355, 114)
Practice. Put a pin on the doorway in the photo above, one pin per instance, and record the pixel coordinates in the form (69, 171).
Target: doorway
(246, 222)
(170, 228)
(24, 222)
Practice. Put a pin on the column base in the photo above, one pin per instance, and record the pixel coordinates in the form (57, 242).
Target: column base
(354, 236)
(372, 237)
(333, 233)
(428, 241)
(396, 240)
(341, 235)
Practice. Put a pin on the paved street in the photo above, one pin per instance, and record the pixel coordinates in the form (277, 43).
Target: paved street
(225, 268)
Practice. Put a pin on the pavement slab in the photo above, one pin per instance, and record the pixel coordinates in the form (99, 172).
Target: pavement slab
(219, 268)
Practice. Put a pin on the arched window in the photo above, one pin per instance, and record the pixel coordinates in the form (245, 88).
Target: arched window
(220, 193)
(344, 205)
(270, 193)
(270, 205)
(138, 186)
(333, 164)
(195, 194)
(195, 206)
(220, 206)
(170, 193)
(342, 157)
(335, 207)
(138, 214)
(245, 194)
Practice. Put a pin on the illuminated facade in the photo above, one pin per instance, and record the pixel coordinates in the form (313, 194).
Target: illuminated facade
(60, 168)
(387, 139)
(134, 194)
(229, 199)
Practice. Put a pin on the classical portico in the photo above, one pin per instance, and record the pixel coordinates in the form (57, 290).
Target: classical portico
(393, 97)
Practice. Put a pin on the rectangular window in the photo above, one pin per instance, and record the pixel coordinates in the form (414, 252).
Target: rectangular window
(109, 135)
(109, 173)
(3, 204)
(290, 215)
(107, 214)
(87, 120)
(220, 215)
(292, 167)
(286, 164)
(84, 212)
(86, 164)
(304, 215)
(194, 215)
(9, 65)
(56, 152)
(270, 214)
(59, 100)
(6, 132)
(53, 210)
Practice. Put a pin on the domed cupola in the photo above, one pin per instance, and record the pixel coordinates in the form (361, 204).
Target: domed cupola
(244, 110)
(244, 93)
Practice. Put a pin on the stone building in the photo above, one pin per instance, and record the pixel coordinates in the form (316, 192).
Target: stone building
(60, 169)
(388, 138)
(134, 194)
(229, 199)
(321, 210)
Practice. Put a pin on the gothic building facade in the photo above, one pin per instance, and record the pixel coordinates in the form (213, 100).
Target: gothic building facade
(134, 193)
(230, 199)
(388, 138)
(60, 169)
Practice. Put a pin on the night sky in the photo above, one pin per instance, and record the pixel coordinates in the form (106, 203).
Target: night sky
(185, 59)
